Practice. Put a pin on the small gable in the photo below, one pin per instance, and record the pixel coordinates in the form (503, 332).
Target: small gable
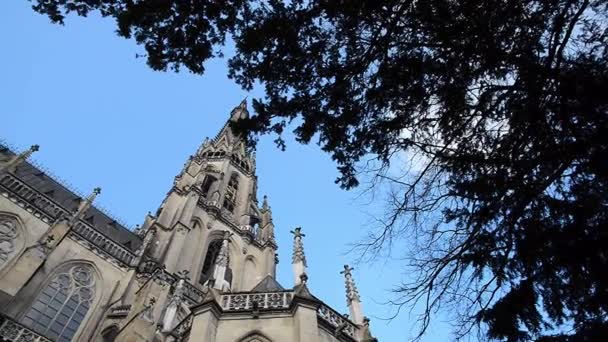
(268, 284)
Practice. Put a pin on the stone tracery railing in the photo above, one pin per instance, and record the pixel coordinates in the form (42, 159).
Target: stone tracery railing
(264, 301)
(191, 292)
(104, 243)
(336, 320)
(150, 268)
(182, 330)
(228, 218)
(30, 199)
(13, 331)
(270, 301)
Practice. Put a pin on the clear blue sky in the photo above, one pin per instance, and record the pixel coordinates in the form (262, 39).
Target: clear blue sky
(103, 118)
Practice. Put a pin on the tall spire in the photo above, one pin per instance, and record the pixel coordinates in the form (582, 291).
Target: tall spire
(228, 142)
(352, 296)
(18, 159)
(298, 259)
(240, 111)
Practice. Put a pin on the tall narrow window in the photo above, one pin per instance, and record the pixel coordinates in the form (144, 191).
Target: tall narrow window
(212, 252)
(231, 191)
(62, 305)
(206, 187)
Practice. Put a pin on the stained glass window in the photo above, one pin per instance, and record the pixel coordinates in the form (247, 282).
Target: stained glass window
(62, 305)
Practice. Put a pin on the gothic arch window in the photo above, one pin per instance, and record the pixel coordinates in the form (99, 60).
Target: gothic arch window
(231, 191)
(249, 274)
(10, 239)
(211, 257)
(207, 185)
(208, 265)
(63, 303)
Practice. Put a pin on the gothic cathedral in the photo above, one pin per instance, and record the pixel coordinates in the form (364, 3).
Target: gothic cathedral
(202, 268)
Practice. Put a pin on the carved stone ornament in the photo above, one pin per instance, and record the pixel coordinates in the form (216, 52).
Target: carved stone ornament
(8, 235)
(212, 168)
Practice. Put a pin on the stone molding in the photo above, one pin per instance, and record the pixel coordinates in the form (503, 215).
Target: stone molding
(254, 300)
(336, 321)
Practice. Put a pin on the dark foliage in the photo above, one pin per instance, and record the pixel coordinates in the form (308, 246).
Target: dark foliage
(505, 102)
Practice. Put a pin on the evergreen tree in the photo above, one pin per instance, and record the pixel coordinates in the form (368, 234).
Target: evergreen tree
(503, 102)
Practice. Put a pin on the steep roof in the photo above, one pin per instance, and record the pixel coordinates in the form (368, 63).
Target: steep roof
(68, 200)
(268, 284)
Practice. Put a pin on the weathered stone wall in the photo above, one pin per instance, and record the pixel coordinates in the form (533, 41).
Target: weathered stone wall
(109, 277)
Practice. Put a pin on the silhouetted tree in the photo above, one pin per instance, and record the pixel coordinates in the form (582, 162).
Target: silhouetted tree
(503, 104)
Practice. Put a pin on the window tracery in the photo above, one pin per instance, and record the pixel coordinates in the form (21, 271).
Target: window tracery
(231, 191)
(63, 303)
(9, 233)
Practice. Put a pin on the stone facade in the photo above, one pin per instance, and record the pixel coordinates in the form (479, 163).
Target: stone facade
(202, 268)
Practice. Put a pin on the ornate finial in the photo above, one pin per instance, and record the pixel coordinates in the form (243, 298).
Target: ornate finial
(351, 289)
(91, 197)
(303, 278)
(265, 203)
(85, 205)
(18, 159)
(240, 112)
(297, 232)
(298, 247)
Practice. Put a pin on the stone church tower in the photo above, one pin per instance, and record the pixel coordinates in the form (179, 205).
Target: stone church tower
(202, 268)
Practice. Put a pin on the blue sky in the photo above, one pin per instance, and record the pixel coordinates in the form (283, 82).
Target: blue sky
(103, 118)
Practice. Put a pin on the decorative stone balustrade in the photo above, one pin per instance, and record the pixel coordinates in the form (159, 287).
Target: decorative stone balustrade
(182, 330)
(336, 320)
(150, 268)
(104, 243)
(264, 301)
(12, 331)
(227, 217)
(193, 294)
(30, 199)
